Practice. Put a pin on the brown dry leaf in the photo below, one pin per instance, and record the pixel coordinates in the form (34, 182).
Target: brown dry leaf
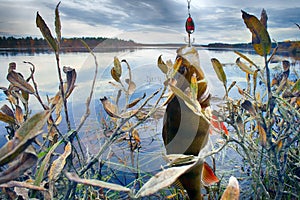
(162, 179)
(232, 191)
(58, 165)
(74, 177)
(6, 110)
(23, 137)
(135, 101)
(6, 118)
(162, 65)
(135, 135)
(17, 80)
(110, 108)
(19, 115)
(262, 134)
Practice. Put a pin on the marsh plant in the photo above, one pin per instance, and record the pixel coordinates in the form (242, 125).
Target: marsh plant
(45, 161)
(264, 121)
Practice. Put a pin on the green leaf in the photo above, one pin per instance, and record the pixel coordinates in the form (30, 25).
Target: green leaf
(219, 70)
(260, 37)
(23, 137)
(57, 24)
(41, 24)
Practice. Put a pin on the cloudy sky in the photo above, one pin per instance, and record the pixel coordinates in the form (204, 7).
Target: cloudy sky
(151, 21)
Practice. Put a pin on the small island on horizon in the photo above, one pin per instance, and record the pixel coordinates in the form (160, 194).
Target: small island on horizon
(29, 44)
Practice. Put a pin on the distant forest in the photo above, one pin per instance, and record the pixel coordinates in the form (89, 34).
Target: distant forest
(67, 44)
(75, 44)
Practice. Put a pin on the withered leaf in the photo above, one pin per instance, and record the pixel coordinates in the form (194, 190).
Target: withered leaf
(260, 37)
(232, 191)
(135, 101)
(110, 108)
(18, 81)
(57, 24)
(262, 134)
(247, 105)
(162, 179)
(23, 137)
(11, 184)
(162, 65)
(19, 115)
(117, 67)
(219, 70)
(244, 67)
(131, 86)
(41, 24)
(58, 165)
(6, 110)
(93, 182)
(18, 168)
(264, 18)
(71, 78)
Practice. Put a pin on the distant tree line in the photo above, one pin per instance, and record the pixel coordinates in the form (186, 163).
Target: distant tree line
(289, 46)
(67, 44)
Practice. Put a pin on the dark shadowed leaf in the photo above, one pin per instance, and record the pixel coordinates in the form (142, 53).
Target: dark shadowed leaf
(18, 81)
(6, 110)
(27, 160)
(23, 137)
(260, 37)
(93, 182)
(6, 118)
(57, 24)
(12, 66)
(264, 18)
(247, 105)
(219, 70)
(162, 65)
(71, 78)
(41, 24)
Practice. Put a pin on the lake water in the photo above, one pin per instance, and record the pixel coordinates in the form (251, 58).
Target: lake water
(147, 77)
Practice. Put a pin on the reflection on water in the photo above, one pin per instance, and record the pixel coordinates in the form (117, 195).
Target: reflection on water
(147, 78)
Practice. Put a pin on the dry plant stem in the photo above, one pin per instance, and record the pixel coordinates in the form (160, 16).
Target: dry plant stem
(62, 93)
